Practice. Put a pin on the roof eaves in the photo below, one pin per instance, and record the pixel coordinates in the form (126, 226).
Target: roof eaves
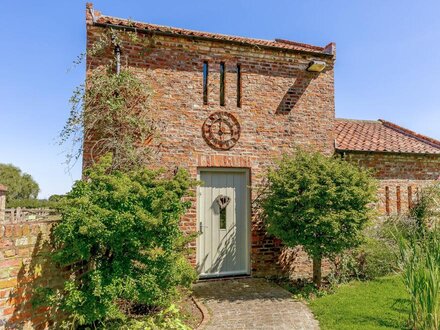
(357, 151)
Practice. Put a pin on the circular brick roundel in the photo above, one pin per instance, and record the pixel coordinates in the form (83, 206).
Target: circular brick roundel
(221, 130)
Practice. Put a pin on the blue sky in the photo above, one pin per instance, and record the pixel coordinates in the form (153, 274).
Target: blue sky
(388, 63)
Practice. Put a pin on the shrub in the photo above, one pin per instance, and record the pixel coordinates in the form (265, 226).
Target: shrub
(120, 235)
(376, 255)
(319, 202)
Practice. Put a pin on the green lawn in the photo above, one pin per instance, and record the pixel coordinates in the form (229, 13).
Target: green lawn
(378, 304)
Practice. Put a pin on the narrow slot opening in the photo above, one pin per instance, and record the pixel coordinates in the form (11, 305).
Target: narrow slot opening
(239, 85)
(205, 82)
(222, 83)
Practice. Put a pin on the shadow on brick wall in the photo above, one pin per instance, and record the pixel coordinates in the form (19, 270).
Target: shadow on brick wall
(37, 271)
(295, 92)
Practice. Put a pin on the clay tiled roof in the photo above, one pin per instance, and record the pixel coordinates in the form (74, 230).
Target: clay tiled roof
(3, 187)
(381, 136)
(282, 44)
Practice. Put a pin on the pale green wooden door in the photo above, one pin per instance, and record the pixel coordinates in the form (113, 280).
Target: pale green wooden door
(223, 243)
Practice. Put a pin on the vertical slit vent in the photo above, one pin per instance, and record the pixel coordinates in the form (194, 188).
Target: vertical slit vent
(205, 82)
(239, 85)
(222, 83)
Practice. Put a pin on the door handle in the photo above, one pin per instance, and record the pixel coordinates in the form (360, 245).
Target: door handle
(201, 226)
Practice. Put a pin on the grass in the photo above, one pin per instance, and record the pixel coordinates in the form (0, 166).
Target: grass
(377, 304)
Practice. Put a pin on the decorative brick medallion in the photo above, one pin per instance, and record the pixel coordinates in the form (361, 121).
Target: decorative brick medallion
(221, 130)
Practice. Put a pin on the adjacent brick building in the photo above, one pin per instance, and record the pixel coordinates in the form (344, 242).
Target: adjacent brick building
(231, 106)
(402, 160)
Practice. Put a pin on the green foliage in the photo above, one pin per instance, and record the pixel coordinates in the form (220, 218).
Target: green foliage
(318, 202)
(374, 257)
(426, 211)
(20, 185)
(120, 235)
(31, 203)
(378, 258)
(419, 260)
(168, 319)
(369, 305)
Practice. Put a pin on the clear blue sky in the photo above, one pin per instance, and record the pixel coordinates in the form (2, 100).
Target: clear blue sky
(388, 61)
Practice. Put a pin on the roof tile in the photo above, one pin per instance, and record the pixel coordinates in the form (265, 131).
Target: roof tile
(381, 136)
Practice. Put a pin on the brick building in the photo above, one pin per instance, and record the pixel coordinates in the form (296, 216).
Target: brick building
(231, 106)
(403, 161)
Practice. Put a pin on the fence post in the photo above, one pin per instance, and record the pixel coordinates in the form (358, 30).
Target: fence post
(3, 190)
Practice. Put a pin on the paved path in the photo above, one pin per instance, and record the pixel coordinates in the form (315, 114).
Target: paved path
(252, 303)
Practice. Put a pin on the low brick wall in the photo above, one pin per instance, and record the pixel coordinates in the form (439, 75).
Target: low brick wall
(25, 265)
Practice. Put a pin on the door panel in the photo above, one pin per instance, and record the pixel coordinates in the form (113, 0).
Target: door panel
(223, 242)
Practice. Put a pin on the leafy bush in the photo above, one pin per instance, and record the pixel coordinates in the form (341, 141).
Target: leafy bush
(377, 258)
(120, 236)
(319, 202)
(376, 255)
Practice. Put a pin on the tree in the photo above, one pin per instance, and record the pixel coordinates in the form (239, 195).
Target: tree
(319, 202)
(20, 185)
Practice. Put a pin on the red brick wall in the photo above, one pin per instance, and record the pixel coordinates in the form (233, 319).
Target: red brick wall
(283, 106)
(401, 176)
(24, 239)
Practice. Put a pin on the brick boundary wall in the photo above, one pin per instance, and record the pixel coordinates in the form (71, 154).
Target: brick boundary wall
(24, 265)
(401, 176)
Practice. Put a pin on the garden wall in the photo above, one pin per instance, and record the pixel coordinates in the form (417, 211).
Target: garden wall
(401, 176)
(24, 265)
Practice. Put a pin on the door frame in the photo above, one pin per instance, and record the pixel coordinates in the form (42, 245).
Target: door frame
(247, 203)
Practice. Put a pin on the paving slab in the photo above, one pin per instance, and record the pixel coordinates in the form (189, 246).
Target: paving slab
(252, 303)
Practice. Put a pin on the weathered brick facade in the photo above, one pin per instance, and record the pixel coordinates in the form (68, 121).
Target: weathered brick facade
(401, 176)
(25, 266)
(283, 106)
